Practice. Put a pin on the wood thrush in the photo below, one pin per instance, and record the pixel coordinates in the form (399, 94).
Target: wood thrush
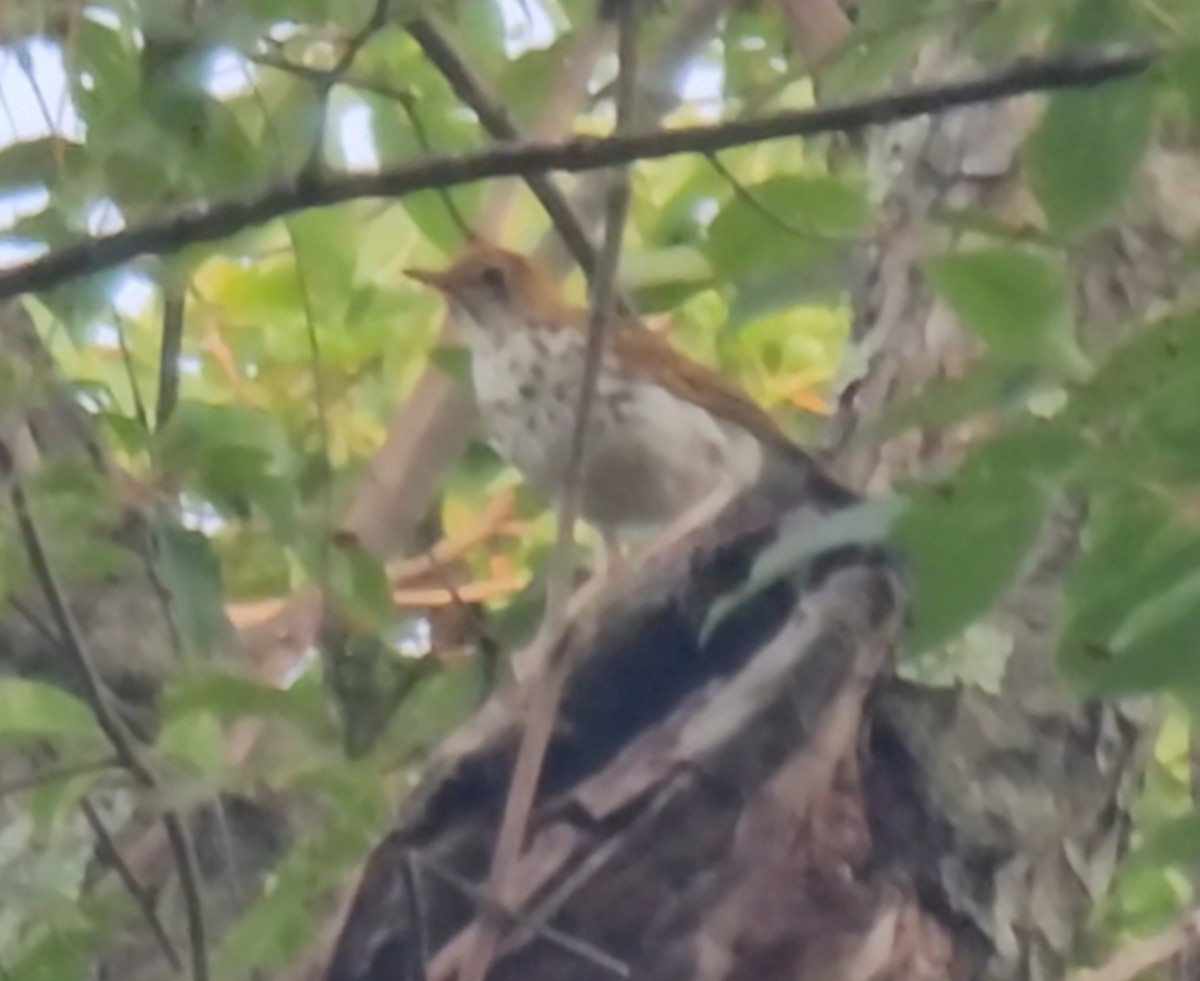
(665, 434)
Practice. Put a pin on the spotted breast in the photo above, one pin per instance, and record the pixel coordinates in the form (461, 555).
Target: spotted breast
(648, 454)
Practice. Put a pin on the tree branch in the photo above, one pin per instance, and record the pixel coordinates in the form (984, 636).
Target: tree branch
(327, 80)
(499, 123)
(205, 223)
(130, 881)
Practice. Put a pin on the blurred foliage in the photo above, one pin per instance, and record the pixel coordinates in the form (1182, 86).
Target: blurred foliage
(302, 335)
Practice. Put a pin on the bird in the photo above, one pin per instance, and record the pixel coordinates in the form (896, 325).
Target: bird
(667, 436)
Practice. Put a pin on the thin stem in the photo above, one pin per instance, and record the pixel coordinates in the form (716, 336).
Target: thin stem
(168, 359)
(319, 397)
(456, 217)
(497, 120)
(139, 404)
(144, 900)
(327, 80)
(745, 194)
(547, 690)
(493, 907)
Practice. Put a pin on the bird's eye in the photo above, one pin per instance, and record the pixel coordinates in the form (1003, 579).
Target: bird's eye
(494, 279)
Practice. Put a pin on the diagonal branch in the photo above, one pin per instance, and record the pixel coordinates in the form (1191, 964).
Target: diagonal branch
(206, 223)
(129, 880)
(497, 120)
(327, 80)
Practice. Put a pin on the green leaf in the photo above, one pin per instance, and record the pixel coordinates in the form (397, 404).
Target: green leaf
(820, 282)
(1176, 842)
(479, 27)
(34, 163)
(1134, 600)
(191, 574)
(360, 585)
(1155, 357)
(967, 537)
(1014, 301)
(33, 709)
(454, 360)
(281, 924)
(75, 510)
(523, 82)
(1086, 149)
(233, 456)
(435, 706)
(194, 739)
(107, 58)
(227, 696)
(884, 42)
(749, 44)
(803, 538)
(988, 387)
(1184, 72)
(817, 213)
(324, 263)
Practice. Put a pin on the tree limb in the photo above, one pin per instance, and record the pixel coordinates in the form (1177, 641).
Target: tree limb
(499, 123)
(205, 223)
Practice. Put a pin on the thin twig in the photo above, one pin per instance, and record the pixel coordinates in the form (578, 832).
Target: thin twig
(494, 908)
(319, 397)
(547, 689)
(204, 223)
(135, 390)
(327, 80)
(582, 873)
(497, 120)
(189, 883)
(71, 638)
(744, 193)
(168, 358)
(145, 902)
(456, 217)
(72, 642)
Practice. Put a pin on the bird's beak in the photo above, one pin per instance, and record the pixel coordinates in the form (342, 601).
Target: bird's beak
(438, 279)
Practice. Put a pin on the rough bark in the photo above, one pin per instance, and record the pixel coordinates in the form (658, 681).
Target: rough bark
(684, 766)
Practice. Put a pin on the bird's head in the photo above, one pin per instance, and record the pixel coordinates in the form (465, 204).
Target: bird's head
(492, 289)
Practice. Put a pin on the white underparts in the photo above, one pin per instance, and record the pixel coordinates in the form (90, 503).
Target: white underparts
(649, 455)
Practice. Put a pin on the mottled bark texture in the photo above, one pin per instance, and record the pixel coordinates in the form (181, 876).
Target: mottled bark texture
(771, 802)
(1013, 803)
(686, 767)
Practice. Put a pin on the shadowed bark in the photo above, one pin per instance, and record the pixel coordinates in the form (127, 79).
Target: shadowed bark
(685, 766)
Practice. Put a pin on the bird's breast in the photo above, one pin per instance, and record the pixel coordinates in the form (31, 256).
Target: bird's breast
(649, 454)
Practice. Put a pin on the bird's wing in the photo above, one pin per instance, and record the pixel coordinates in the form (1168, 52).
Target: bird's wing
(643, 353)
